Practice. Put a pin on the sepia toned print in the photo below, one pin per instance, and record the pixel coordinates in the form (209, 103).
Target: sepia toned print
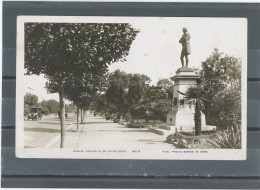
(131, 88)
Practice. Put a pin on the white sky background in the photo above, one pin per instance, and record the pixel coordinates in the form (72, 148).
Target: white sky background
(156, 50)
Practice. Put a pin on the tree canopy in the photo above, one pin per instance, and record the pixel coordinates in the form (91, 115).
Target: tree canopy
(58, 49)
(125, 90)
(30, 99)
(68, 53)
(50, 106)
(131, 94)
(220, 90)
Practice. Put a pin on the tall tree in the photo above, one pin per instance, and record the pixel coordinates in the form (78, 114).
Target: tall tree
(221, 84)
(195, 93)
(51, 105)
(63, 51)
(166, 89)
(82, 92)
(156, 103)
(125, 91)
(220, 89)
(138, 85)
(118, 86)
(99, 105)
(30, 99)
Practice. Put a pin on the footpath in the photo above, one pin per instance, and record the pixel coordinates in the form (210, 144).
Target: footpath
(96, 132)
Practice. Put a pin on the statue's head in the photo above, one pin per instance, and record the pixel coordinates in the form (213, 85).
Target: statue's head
(185, 30)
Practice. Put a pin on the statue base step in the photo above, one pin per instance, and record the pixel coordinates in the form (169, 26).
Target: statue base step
(166, 130)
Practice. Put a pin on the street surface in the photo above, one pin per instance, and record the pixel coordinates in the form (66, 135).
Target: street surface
(45, 133)
(96, 132)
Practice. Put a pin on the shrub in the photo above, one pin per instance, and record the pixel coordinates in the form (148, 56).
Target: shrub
(177, 140)
(135, 125)
(231, 138)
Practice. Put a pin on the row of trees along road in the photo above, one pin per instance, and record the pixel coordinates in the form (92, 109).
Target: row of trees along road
(131, 96)
(47, 106)
(69, 53)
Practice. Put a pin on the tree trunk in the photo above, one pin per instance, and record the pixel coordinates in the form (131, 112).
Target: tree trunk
(77, 118)
(84, 114)
(197, 119)
(62, 115)
(81, 116)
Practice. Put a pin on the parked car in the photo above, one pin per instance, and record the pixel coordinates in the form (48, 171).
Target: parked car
(35, 113)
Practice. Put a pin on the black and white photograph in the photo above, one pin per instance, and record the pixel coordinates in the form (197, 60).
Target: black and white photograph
(131, 88)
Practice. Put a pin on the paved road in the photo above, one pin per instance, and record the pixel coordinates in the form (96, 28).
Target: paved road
(96, 132)
(44, 133)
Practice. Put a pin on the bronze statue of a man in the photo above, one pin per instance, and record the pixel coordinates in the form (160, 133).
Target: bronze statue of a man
(185, 41)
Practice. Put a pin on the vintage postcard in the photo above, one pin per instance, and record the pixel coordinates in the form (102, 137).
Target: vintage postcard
(131, 88)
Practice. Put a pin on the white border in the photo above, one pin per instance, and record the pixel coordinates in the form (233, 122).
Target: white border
(212, 154)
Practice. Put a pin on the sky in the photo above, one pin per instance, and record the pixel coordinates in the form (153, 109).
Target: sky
(156, 50)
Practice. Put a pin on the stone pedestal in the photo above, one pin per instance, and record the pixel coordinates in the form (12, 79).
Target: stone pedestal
(182, 114)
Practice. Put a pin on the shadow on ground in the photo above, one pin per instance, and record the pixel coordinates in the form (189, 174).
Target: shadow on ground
(58, 120)
(149, 141)
(104, 122)
(52, 123)
(146, 131)
(105, 130)
(42, 130)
